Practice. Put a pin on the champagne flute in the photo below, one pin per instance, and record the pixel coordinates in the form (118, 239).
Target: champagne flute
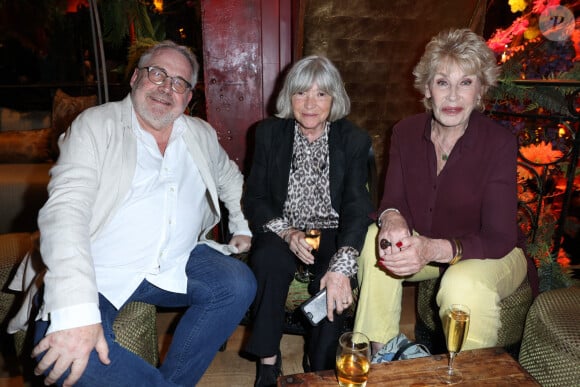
(312, 235)
(353, 359)
(456, 323)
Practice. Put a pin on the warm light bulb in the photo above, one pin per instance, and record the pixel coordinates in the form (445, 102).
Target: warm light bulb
(561, 131)
(158, 5)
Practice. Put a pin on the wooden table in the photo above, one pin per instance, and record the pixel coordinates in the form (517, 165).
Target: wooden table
(481, 367)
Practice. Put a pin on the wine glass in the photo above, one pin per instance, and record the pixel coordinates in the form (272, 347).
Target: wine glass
(353, 359)
(456, 323)
(312, 235)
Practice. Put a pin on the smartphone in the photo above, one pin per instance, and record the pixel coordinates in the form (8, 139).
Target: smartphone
(315, 307)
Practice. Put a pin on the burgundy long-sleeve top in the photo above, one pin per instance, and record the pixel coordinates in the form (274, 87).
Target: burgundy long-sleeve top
(474, 198)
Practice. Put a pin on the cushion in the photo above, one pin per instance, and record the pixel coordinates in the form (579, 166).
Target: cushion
(65, 108)
(551, 344)
(26, 146)
(11, 119)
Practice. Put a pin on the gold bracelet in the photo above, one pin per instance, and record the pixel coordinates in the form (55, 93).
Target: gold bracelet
(458, 252)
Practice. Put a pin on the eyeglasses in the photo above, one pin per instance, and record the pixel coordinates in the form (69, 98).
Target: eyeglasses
(158, 77)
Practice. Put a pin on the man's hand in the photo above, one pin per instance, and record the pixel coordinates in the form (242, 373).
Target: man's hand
(241, 242)
(338, 293)
(70, 348)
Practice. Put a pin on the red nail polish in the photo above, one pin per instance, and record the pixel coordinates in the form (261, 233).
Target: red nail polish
(399, 244)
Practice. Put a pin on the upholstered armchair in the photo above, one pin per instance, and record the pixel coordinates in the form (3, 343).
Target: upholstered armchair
(135, 326)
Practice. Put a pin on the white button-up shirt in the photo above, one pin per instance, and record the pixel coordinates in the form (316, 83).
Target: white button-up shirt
(152, 233)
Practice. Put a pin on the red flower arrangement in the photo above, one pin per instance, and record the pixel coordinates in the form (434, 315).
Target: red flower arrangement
(527, 27)
(527, 51)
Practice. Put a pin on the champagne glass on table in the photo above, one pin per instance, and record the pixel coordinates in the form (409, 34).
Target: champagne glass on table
(353, 359)
(312, 235)
(456, 324)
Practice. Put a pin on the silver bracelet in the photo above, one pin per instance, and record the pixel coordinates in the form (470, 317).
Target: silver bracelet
(379, 223)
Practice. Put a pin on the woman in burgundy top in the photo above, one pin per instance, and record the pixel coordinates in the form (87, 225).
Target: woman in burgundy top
(450, 199)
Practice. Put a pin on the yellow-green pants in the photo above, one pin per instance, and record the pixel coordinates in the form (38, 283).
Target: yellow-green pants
(478, 283)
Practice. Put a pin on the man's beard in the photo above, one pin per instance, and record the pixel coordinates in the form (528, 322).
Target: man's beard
(157, 120)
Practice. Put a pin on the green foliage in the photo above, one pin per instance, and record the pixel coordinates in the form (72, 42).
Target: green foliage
(116, 21)
(521, 77)
(119, 16)
(551, 98)
(573, 74)
(135, 52)
(551, 274)
(125, 20)
(145, 28)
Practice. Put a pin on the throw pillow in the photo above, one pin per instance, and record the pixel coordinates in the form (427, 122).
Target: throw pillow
(65, 109)
(26, 146)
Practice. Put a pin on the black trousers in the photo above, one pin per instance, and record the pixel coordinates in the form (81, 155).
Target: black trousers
(274, 266)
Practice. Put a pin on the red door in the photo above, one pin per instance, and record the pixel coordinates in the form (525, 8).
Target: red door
(246, 44)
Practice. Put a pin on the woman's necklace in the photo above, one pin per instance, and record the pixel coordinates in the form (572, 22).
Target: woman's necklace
(444, 152)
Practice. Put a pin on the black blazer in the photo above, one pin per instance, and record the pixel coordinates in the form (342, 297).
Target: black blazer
(267, 184)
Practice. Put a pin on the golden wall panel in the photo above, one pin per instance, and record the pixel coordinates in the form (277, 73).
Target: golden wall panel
(375, 44)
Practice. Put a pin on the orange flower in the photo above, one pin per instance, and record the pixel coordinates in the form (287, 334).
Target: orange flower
(563, 259)
(576, 40)
(524, 174)
(541, 153)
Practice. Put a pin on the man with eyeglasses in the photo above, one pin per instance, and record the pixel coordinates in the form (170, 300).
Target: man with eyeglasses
(132, 197)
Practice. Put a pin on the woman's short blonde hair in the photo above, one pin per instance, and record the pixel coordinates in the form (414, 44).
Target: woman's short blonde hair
(458, 46)
(307, 72)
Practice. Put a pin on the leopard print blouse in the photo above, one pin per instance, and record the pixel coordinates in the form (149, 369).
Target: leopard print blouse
(309, 182)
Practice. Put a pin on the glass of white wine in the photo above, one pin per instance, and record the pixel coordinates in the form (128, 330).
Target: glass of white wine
(456, 323)
(353, 360)
(312, 235)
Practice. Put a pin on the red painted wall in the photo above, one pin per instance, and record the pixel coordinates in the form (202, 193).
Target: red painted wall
(246, 43)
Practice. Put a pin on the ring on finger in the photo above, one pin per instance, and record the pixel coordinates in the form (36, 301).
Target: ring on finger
(385, 243)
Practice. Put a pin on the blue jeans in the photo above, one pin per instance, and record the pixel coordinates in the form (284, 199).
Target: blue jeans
(219, 291)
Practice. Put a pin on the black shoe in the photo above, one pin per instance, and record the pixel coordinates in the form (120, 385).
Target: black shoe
(267, 374)
(306, 363)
